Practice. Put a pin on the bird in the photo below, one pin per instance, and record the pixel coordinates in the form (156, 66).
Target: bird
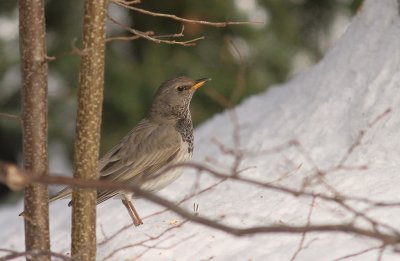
(162, 138)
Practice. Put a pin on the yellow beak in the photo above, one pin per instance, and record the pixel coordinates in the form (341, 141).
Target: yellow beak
(199, 83)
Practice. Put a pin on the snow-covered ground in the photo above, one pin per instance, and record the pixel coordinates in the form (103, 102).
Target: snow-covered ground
(324, 109)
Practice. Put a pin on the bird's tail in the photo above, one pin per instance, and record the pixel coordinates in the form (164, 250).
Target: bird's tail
(62, 194)
(66, 192)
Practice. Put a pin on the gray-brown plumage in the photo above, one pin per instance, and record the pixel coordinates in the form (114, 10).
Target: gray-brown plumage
(163, 138)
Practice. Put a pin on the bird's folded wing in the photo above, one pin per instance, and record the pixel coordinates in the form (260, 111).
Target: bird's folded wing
(145, 146)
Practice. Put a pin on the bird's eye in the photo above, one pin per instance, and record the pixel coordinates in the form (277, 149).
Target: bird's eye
(180, 88)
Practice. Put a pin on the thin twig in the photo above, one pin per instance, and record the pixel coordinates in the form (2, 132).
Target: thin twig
(149, 36)
(360, 137)
(137, 257)
(36, 254)
(123, 38)
(180, 19)
(303, 236)
(132, 2)
(240, 75)
(143, 242)
(74, 51)
(10, 116)
(218, 97)
(359, 253)
(129, 226)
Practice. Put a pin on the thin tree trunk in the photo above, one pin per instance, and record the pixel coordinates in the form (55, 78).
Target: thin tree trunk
(34, 120)
(90, 98)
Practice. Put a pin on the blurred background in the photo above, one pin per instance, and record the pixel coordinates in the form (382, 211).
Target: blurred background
(242, 60)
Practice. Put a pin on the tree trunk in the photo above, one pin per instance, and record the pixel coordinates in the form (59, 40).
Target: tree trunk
(90, 98)
(34, 120)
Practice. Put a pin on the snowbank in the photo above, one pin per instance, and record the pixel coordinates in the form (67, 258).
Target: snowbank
(325, 109)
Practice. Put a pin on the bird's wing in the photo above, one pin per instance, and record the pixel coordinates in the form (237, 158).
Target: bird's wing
(147, 147)
(111, 161)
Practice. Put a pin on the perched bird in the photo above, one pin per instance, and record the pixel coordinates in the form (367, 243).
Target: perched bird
(162, 138)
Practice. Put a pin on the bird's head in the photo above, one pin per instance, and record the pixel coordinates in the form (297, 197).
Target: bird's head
(173, 97)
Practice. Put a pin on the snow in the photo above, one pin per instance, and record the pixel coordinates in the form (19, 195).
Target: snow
(324, 109)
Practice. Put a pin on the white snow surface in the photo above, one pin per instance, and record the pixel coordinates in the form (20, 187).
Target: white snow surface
(324, 109)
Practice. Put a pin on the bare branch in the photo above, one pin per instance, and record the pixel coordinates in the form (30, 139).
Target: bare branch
(240, 75)
(360, 137)
(132, 2)
(180, 34)
(143, 242)
(218, 97)
(34, 255)
(125, 38)
(303, 236)
(74, 51)
(386, 238)
(359, 253)
(10, 116)
(180, 19)
(150, 35)
(129, 226)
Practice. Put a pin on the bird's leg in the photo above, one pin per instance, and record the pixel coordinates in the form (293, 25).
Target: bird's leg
(137, 221)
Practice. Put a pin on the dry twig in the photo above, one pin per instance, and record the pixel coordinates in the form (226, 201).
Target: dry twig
(10, 116)
(150, 35)
(185, 199)
(144, 243)
(359, 253)
(303, 236)
(177, 18)
(34, 254)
